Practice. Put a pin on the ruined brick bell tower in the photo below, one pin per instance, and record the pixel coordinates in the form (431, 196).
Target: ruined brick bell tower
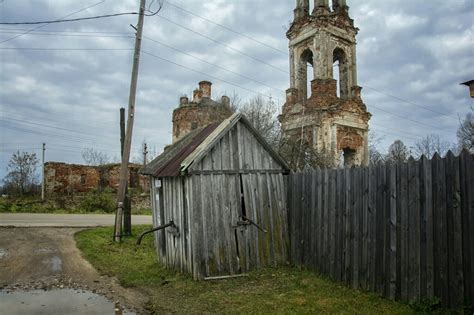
(200, 112)
(323, 105)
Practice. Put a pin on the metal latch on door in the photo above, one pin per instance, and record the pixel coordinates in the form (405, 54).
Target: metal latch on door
(246, 221)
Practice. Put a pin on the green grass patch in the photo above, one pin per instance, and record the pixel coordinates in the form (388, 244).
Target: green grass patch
(283, 290)
(89, 203)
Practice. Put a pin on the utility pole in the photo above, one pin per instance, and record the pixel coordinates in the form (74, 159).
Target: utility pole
(128, 135)
(127, 204)
(43, 179)
(145, 152)
(122, 130)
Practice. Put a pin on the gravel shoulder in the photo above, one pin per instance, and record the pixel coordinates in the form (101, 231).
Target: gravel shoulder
(47, 258)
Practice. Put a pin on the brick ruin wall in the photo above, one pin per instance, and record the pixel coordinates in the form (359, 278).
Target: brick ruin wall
(62, 178)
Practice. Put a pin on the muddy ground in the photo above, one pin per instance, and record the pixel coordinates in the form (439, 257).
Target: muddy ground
(47, 258)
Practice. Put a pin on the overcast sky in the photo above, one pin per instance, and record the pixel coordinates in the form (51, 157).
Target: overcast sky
(412, 57)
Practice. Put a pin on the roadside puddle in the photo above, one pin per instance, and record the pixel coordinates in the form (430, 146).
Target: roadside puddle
(3, 253)
(55, 302)
(55, 263)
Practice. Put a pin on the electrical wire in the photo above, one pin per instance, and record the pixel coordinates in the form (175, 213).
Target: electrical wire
(68, 35)
(40, 26)
(409, 102)
(206, 74)
(211, 64)
(70, 20)
(228, 29)
(222, 44)
(80, 19)
(65, 49)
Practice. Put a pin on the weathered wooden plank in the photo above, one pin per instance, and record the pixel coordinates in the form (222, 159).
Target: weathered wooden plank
(274, 226)
(265, 221)
(456, 281)
(225, 152)
(440, 233)
(426, 230)
(240, 233)
(393, 232)
(307, 217)
(372, 216)
(467, 209)
(291, 216)
(221, 227)
(413, 231)
(365, 228)
(347, 227)
(282, 194)
(355, 227)
(398, 169)
(332, 223)
(325, 222)
(339, 227)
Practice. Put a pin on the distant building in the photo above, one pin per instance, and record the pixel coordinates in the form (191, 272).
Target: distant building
(62, 178)
(200, 112)
(329, 117)
(470, 84)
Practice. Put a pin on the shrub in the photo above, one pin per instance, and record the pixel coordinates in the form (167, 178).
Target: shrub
(98, 202)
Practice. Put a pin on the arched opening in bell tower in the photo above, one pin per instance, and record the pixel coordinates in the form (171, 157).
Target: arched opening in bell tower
(311, 7)
(306, 73)
(340, 72)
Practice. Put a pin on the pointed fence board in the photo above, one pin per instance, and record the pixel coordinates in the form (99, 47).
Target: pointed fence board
(404, 230)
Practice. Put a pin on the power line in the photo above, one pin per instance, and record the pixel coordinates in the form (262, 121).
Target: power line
(81, 19)
(206, 74)
(65, 49)
(40, 26)
(61, 31)
(398, 130)
(211, 64)
(228, 29)
(54, 127)
(409, 102)
(223, 44)
(66, 35)
(70, 20)
(407, 118)
(396, 135)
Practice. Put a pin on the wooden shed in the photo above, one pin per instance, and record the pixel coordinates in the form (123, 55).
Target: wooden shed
(224, 189)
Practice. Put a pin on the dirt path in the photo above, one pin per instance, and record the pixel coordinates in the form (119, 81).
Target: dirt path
(47, 258)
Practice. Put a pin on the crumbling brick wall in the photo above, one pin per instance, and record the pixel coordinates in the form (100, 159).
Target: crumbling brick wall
(62, 178)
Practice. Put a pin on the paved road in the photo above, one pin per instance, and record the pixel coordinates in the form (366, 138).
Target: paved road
(64, 220)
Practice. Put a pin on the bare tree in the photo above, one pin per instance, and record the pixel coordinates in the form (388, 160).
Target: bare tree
(262, 114)
(374, 154)
(432, 144)
(94, 157)
(21, 169)
(465, 133)
(398, 152)
(300, 154)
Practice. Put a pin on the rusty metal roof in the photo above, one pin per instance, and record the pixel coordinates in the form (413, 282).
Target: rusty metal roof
(194, 146)
(168, 164)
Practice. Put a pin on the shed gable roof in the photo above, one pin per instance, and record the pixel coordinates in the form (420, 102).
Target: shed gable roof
(177, 159)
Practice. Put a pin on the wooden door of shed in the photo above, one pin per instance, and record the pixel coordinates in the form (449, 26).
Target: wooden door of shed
(223, 242)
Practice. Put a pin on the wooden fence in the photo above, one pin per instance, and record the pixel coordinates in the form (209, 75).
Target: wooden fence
(405, 230)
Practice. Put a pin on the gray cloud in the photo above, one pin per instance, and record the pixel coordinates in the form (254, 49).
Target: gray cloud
(413, 49)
